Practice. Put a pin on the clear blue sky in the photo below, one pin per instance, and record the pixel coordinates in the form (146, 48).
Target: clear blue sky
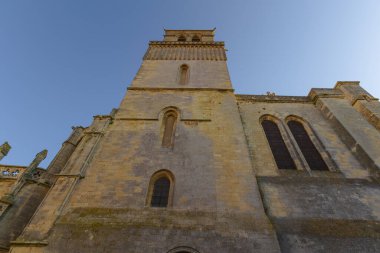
(61, 62)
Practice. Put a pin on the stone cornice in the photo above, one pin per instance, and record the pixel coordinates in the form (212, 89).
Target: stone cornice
(29, 243)
(102, 117)
(363, 98)
(273, 99)
(187, 43)
(317, 93)
(14, 166)
(203, 51)
(156, 119)
(179, 89)
(341, 83)
(70, 175)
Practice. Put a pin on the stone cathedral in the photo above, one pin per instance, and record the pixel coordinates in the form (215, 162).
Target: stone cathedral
(185, 165)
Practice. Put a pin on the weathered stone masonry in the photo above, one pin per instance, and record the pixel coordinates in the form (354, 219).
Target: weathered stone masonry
(224, 191)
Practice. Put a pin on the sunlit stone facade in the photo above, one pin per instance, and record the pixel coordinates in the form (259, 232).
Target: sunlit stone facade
(186, 165)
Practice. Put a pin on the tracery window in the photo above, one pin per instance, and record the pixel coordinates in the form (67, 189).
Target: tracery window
(276, 142)
(307, 147)
(184, 74)
(169, 120)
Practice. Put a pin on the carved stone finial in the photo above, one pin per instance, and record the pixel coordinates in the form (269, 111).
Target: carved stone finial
(30, 172)
(4, 149)
(36, 161)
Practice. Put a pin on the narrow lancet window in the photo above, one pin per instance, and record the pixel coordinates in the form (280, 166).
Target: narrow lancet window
(184, 74)
(183, 78)
(307, 147)
(160, 195)
(280, 151)
(170, 119)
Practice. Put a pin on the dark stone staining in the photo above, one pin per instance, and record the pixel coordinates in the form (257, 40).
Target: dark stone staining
(280, 151)
(18, 215)
(320, 220)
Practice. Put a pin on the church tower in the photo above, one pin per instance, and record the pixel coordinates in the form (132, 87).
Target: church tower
(184, 165)
(168, 171)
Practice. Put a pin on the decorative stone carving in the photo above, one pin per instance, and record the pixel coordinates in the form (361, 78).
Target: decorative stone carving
(4, 149)
(31, 171)
(10, 172)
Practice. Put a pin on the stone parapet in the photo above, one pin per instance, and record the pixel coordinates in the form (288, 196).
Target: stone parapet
(273, 99)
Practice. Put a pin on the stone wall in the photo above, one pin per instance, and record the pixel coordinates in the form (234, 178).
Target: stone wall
(216, 198)
(314, 214)
(318, 211)
(227, 194)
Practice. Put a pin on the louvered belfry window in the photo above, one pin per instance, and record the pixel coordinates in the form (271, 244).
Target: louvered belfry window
(309, 151)
(280, 151)
(160, 194)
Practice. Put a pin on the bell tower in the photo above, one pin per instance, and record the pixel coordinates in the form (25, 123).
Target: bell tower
(184, 59)
(168, 171)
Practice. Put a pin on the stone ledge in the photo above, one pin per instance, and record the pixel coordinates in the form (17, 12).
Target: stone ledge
(317, 93)
(363, 98)
(337, 228)
(70, 175)
(162, 218)
(341, 83)
(273, 99)
(29, 243)
(317, 180)
(182, 43)
(156, 119)
(180, 89)
(107, 116)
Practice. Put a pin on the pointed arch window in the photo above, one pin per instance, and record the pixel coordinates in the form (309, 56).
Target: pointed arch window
(307, 147)
(276, 142)
(170, 120)
(183, 74)
(182, 38)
